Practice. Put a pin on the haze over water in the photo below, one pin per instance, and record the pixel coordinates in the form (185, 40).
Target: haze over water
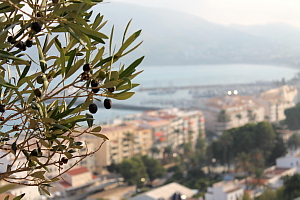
(174, 76)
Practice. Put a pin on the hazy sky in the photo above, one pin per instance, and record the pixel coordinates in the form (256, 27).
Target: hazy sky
(233, 11)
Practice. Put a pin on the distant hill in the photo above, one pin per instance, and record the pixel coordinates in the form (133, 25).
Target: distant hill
(176, 38)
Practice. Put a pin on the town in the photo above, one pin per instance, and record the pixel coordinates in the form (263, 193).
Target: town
(195, 149)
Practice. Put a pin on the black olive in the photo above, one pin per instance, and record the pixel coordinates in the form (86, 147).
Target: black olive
(23, 48)
(87, 67)
(96, 90)
(85, 76)
(38, 15)
(34, 153)
(2, 108)
(36, 27)
(28, 43)
(64, 160)
(37, 92)
(10, 39)
(112, 89)
(2, 118)
(94, 83)
(93, 108)
(107, 103)
(19, 44)
(40, 79)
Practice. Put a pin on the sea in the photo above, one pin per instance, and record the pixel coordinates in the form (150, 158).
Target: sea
(192, 75)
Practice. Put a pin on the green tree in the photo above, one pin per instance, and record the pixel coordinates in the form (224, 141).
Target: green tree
(259, 174)
(187, 149)
(268, 194)
(154, 151)
(113, 168)
(223, 118)
(44, 91)
(200, 151)
(239, 117)
(293, 117)
(133, 171)
(246, 196)
(154, 168)
(278, 150)
(293, 142)
(168, 151)
(291, 187)
(129, 137)
(257, 159)
(264, 138)
(226, 141)
(243, 163)
(251, 116)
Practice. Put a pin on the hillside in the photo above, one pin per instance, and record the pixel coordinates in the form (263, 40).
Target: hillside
(175, 38)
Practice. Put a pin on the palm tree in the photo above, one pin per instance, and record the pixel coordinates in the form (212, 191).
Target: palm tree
(223, 118)
(239, 116)
(251, 116)
(130, 138)
(177, 133)
(167, 152)
(259, 173)
(226, 140)
(257, 159)
(154, 151)
(243, 163)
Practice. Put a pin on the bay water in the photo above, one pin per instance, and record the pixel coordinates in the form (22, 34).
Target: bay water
(193, 75)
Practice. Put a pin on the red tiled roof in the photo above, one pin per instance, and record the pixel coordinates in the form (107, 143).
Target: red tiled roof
(158, 123)
(259, 182)
(77, 171)
(65, 184)
(277, 171)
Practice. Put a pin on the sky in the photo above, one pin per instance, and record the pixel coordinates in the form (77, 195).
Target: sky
(245, 12)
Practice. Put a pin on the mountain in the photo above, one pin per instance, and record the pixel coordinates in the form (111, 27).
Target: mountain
(281, 33)
(176, 38)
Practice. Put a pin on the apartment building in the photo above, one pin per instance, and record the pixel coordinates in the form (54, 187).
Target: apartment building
(225, 190)
(227, 112)
(177, 126)
(277, 100)
(124, 142)
(137, 134)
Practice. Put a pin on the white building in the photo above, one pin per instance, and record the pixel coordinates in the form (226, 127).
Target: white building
(290, 160)
(225, 190)
(239, 110)
(273, 175)
(165, 192)
(277, 100)
(31, 192)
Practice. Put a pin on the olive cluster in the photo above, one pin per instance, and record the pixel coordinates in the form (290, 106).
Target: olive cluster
(93, 108)
(2, 110)
(36, 27)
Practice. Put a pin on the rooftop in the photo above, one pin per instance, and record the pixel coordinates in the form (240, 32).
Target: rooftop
(77, 171)
(158, 123)
(65, 184)
(165, 192)
(233, 190)
(277, 171)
